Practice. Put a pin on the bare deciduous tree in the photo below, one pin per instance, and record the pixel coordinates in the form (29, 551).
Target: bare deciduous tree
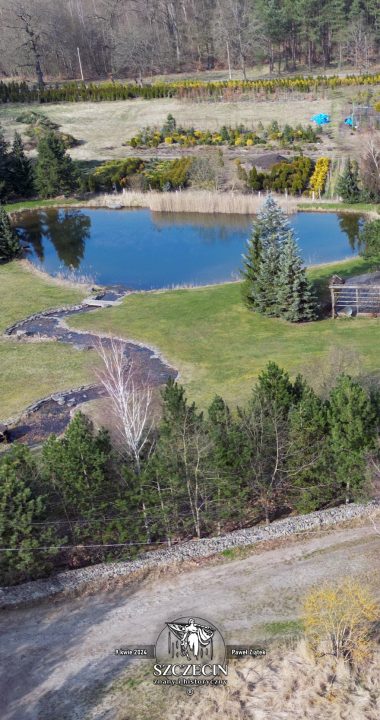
(370, 164)
(131, 398)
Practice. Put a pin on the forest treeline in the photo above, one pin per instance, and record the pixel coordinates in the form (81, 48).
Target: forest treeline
(43, 39)
(286, 451)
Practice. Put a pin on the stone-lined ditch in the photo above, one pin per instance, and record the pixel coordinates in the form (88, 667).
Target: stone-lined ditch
(52, 414)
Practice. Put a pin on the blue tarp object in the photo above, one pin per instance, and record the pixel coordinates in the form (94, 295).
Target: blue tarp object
(349, 121)
(321, 119)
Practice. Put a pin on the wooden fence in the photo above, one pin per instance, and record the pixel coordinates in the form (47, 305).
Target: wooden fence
(363, 299)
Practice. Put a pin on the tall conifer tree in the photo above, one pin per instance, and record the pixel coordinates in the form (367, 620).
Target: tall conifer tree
(10, 247)
(20, 168)
(261, 260)
(55, 170)
(294, 295)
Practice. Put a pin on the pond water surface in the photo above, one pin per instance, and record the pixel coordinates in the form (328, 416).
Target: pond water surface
(141, 250)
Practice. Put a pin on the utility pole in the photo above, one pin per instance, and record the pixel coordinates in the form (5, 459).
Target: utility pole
(229, 60)
(80, 64)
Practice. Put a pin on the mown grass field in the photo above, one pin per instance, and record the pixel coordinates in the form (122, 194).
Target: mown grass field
(219, 347)
(32, 370)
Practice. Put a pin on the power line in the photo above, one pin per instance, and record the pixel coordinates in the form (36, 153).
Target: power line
(71, 547)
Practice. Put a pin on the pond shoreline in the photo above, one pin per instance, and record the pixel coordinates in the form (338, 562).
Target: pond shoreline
(139, 250)
(110, 201)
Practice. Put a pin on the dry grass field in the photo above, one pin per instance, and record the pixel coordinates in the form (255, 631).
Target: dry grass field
(103, 127)
(289, 684)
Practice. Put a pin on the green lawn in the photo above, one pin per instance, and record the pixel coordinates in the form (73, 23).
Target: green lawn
(23, 293)
(220, 347)
(31, 370)
(217, 345)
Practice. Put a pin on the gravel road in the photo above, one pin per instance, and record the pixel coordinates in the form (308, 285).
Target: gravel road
(57, 658)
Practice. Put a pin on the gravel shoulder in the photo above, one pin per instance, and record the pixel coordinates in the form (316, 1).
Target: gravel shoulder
(58, 657)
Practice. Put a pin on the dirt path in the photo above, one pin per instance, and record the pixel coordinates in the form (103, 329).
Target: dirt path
(56, 659)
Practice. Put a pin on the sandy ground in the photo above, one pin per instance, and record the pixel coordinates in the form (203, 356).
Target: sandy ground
(58, 659)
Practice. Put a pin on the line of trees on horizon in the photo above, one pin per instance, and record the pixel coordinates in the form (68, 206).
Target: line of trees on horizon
(139, 38)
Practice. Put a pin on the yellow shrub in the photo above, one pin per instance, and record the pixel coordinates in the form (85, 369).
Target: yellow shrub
(168, 140)
(249, 142)
(338, 618)
(319, 176)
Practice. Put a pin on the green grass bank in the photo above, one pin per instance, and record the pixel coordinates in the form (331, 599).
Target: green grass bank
(220, 347)
(32, 370)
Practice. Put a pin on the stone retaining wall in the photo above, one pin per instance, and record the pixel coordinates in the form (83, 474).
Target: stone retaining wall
(74, 582)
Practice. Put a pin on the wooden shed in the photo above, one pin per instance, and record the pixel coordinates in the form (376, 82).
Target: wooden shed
(357, 296)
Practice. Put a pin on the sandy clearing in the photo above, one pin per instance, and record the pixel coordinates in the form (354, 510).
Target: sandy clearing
(57, 658)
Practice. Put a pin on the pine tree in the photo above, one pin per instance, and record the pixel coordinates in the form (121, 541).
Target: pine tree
(309, 460)
(295, 301)
(21, 171)
(10, 247)
(227, 460)
(348, 184)
(352, 428)
(76, 467)
(274, 389)
(55, 171)
(183, 458)
(21, 507)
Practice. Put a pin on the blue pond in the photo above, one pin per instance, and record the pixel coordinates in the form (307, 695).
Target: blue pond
(142, 250)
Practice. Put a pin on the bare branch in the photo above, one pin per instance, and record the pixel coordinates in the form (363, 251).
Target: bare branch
(131, 398)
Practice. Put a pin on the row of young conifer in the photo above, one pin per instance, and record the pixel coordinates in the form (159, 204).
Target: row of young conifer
(23, 92)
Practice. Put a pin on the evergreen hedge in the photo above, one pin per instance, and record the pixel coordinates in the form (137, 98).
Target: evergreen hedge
(23, 92)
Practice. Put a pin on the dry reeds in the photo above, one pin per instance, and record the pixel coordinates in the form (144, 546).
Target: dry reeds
(289, 684)
(193, 201)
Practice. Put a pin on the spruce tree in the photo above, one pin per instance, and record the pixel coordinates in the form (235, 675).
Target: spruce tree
(295, 301)
(261, 260)
(252, 263)
(348, 183)
(266, 289)
(10, 247)
(55, 171)
(21, 171)
(4, 168)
